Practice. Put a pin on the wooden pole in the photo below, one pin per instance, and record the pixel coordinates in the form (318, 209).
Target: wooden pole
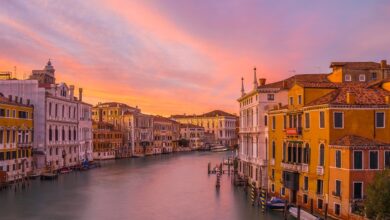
(311, 206)
(326, 211)
(299, 213)
(285, 210)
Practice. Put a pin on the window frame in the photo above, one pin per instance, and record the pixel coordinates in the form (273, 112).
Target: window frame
(377, 159)
(336, 164)
(299, 99)
(353, 189)
(353, 161)
(319, 118)
(339, 212)
(348, 78)
(364, 77)
(335, 187)
(384, 119)
(384, 159)
(291, 100)
(307, 120)
(334, 120)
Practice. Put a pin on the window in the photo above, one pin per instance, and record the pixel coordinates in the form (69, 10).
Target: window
(338, 188)
(300, 99)
(357, 160)
(322, 119)
(265, 120)
(348, 78)
(306, 154)
(306, 183)
(373, 76)
(338, 158)
(284, 152)
(319, 187)
(284, 121)
(273, 122)
(282, 191)
(270, 97)
(387, 157)
(305, 199)
(307, 120)
(358, 190)
(338, 120)
(49, 108)
(291, 100)
(337, 209)
(272, 188)
(362, 78)
(374, 160)
(379, 119)
(273, 149)
(322, 154)
(319, 203)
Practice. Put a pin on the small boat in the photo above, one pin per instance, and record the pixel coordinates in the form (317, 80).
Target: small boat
(275, 203)
(49, 176)
(219, 148)
(303, 214)
(65, 170)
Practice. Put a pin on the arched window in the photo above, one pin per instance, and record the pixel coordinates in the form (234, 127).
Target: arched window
(322, 154)
(63, 134)
(50, 134)
(74, 134)
(273, 149)
(56, 134)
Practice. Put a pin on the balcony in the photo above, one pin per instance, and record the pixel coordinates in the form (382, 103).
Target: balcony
(292, 166)
(320, 170)
(305, 168)
(336, 194)
(294, 131)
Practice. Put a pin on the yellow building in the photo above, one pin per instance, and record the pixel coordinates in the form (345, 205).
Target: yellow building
(106, 141)
(321, 122)
(16, 131)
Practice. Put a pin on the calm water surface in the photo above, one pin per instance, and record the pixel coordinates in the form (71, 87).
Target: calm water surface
(161, 187)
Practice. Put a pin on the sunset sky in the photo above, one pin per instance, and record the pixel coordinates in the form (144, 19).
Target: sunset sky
(180, 56)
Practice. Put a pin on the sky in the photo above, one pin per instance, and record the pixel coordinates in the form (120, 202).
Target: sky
(186, 56)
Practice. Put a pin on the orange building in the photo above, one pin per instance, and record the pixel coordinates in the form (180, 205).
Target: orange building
(107, 141)
(326, 145)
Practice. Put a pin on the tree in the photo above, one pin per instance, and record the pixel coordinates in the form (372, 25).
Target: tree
(378, 196)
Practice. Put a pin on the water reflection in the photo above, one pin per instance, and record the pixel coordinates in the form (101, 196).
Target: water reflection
(162, 187)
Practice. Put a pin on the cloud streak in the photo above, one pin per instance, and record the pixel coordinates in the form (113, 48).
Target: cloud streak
(172, 57)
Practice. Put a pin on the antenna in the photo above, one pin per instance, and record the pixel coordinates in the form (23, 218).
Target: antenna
(15, 72)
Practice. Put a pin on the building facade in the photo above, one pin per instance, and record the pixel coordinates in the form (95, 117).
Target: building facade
(319, 154)
(221, 124)
(166, 133)
(107, 141)
(56, 118)
(194, 134)
(16, 138)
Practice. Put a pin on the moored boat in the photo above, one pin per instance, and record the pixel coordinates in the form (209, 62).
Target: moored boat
(219, 148)
(275, 203)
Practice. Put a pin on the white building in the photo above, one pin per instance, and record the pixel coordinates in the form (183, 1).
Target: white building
(221, 124)
(253, 130)
(56, 118)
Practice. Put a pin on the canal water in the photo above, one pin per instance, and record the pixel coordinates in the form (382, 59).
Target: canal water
(161, 187)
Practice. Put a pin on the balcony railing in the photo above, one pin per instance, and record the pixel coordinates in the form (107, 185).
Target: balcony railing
(320, 170)
(292, 166)
(294, 131)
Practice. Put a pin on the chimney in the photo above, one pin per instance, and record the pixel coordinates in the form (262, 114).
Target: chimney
(71, 88)
(80, 94)
(387, 99)
(262, 81)
(350, 98)
(284, 86)
(383, 64)
(21, 100)
(10, 98)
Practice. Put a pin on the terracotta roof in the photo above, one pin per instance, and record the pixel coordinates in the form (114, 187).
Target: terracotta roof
(214, 113)
(355, 141)
(289, 82)
(158, 118)
(357, 65)
(363, 95)
(319, 84)
(114, 104)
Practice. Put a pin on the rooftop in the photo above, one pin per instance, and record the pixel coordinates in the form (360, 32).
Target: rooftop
(214, 113)
(289, 82)
(357, 141)
(358, 65)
